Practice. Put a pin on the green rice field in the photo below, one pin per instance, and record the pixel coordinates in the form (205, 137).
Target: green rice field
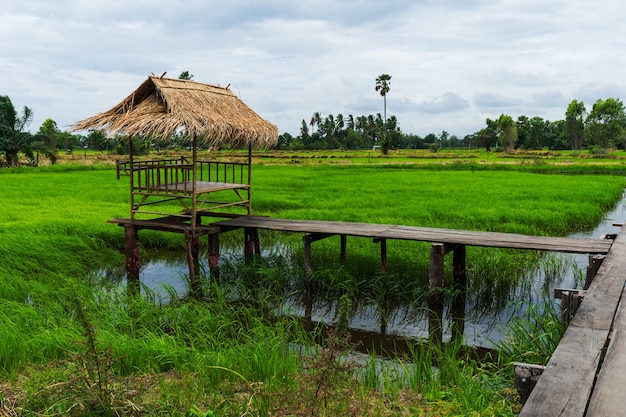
(73, 345)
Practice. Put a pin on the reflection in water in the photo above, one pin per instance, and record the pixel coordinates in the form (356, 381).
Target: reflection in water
(480, 318)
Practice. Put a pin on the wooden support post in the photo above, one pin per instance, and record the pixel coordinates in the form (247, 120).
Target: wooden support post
(308, 267)
(249, 205)
(194, 185)
(525, 379)
(595, 261)
(383, 254)
(344, 244)
(133, 264)
(435, 276)
(252, 245)
(570, 301)
(435, 294)
(459, 275)
(192, 251)
(214, 254)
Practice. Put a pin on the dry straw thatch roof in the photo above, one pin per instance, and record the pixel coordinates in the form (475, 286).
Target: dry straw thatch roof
(162, 107)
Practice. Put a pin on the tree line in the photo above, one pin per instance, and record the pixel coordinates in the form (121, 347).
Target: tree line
(599, 129)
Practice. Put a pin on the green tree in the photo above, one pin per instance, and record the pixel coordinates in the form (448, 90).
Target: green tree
(383, 86)
(575, 124)
(508, 132)
(185, 75)
(537, 133)
(13, 137)
(48, 133)
(606, 122)
(523, 131)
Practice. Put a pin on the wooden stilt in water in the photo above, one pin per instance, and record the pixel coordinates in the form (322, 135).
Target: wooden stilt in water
(383, 253)
(133, 264)
(459, 275)
(435, 276)
(435, 293)
(192, 251)
(344, 244)
(252, 245)
(214, 255)
(308, 266)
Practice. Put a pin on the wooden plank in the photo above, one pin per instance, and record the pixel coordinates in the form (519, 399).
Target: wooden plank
(565, 387)
(608, 397)
(167, 224)
(425, 234)
(566, 383)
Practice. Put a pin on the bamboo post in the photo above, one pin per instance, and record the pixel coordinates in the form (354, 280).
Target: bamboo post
(342, 255)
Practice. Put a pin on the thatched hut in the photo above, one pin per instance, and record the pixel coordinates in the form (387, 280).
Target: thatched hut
(209, 115)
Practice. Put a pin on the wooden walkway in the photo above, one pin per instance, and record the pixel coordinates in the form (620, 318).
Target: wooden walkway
(586, 375)
(423, 234)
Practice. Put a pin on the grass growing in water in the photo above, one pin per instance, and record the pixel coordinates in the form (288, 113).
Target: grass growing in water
(233, 359)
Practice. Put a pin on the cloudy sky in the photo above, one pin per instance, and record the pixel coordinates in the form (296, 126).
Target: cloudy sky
(454, 63)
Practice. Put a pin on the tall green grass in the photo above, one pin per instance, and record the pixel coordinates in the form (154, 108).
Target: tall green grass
(60, 325)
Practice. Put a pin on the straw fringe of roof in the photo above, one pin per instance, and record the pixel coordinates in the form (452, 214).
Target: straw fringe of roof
(163, 107)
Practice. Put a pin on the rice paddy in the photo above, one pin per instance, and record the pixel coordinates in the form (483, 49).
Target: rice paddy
(72, 345)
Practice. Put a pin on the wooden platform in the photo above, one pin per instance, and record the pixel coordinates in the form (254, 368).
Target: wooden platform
(423, 234)
(585, 375)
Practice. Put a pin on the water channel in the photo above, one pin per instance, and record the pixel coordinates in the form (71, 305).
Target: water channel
(165, 276)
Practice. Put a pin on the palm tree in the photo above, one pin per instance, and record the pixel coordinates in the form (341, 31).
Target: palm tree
(382, 86)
